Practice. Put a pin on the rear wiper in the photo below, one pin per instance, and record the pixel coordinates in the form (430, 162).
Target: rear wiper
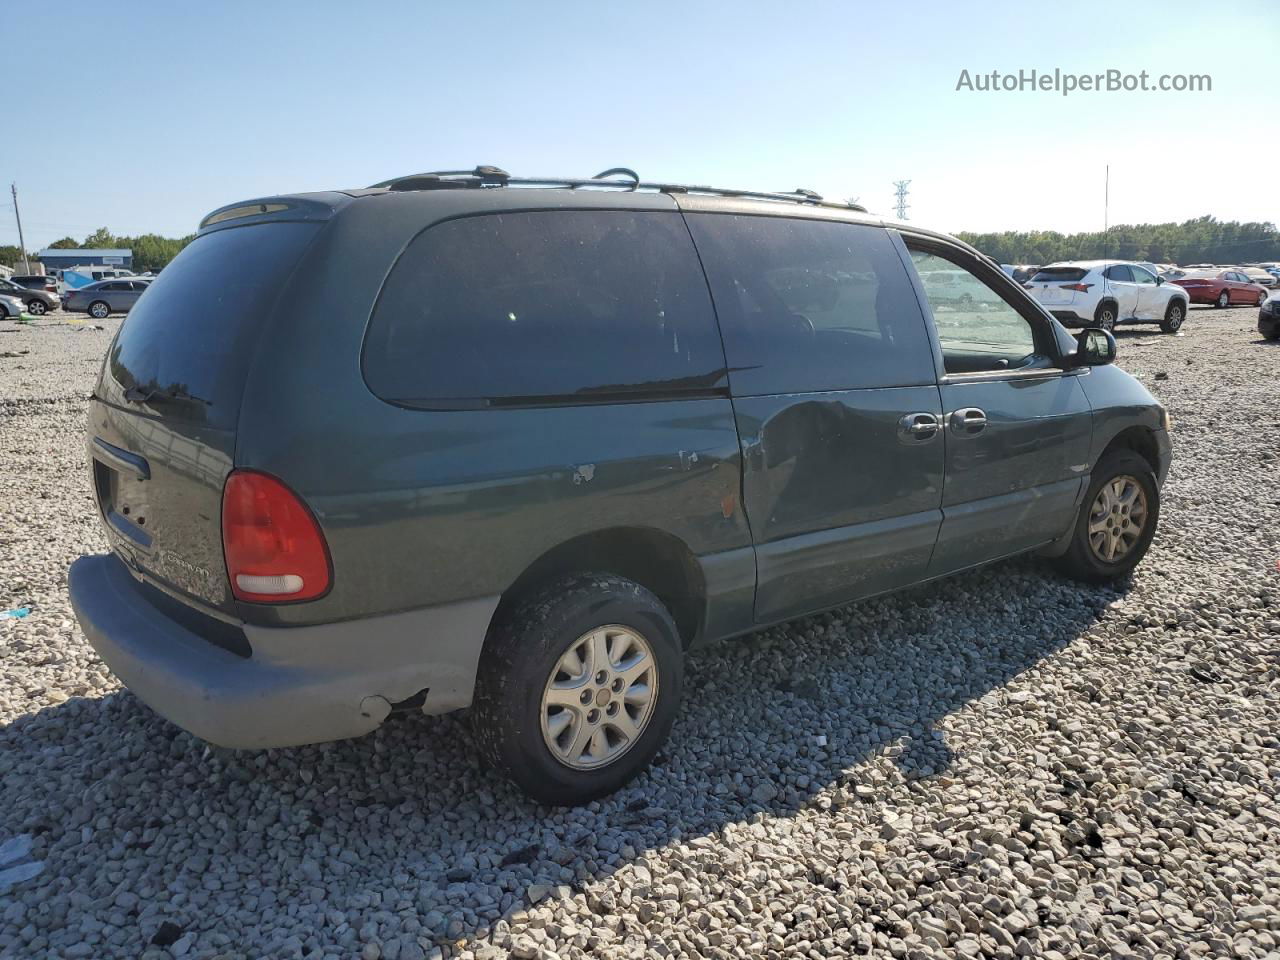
(139, 395)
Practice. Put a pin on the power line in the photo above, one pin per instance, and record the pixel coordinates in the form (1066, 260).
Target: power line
(900, 192)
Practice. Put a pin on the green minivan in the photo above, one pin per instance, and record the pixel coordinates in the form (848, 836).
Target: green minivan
(469, 440)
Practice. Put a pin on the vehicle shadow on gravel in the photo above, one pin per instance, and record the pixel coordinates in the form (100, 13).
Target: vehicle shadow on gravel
(834, 709)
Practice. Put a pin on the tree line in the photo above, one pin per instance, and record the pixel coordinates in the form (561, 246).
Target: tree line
(150, 250)
(1203, 240)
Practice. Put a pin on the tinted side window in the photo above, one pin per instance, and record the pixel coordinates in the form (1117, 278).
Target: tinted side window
(548, 304)
(1119, 273)
(811, 305)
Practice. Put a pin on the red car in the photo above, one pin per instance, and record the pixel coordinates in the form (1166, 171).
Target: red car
(1222, 287)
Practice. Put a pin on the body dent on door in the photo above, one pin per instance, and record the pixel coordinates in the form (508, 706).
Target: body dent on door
(842, 504)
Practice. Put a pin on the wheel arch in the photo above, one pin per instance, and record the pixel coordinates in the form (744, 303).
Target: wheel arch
(659, 561)
(1141, 440)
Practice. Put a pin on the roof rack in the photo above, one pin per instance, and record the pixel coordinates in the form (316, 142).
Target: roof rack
(487, 177)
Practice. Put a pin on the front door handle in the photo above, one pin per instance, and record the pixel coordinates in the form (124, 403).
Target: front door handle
(968, 421)
(918, 427)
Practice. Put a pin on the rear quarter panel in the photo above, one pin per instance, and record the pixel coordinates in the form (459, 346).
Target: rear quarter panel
(426, 507)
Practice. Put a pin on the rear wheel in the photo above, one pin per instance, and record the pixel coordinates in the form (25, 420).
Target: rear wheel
(99, 310)
(1116, 522)
(1224, 299)
(578, 687)
(1174, 314)
(36, 308)
(1105, 315)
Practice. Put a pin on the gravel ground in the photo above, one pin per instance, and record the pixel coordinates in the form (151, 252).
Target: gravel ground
(1008, 765)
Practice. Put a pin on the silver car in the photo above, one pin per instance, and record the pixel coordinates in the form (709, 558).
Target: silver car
(11, 308)
(105, 297)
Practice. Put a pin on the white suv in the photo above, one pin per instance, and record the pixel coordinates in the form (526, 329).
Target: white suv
(1103, 293)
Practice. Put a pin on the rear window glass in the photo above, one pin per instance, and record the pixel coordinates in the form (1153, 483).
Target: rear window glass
(187, 343)
(514, 307)
(1059, 274)
(812, 305)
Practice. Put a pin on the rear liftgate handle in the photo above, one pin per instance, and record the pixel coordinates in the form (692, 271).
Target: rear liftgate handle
(968, 421)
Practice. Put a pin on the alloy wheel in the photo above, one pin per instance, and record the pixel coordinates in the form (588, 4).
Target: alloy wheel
(600, 697)
(37, 308)
(1117, 518)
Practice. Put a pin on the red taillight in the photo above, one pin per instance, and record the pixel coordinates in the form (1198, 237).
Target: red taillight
(274, 549)
(1077, 287)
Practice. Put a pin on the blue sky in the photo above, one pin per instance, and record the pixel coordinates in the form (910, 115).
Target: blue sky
(158, 113)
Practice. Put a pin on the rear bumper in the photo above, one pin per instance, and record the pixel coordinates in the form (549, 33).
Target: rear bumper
(300, 685)
(1068, 315)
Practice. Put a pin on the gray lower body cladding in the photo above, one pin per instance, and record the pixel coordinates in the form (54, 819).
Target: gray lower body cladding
(300, 684)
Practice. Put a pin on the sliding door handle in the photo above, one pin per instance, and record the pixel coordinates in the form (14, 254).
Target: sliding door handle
(968, 421)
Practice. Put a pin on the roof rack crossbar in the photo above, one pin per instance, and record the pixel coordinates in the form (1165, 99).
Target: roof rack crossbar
(495, 177)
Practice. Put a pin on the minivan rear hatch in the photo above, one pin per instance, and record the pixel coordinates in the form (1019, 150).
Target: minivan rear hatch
(162, 424)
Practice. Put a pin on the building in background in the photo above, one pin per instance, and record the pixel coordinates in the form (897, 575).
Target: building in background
(62, 259)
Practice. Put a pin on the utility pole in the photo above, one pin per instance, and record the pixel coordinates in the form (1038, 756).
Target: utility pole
(900, 191)
(26, 264)
(1106, 204)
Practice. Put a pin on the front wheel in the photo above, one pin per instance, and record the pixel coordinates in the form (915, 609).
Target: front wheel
(1174, 314)
(578, 687)
(1262, 298)
(1116, 522)
(37, 308)
(1224, 299)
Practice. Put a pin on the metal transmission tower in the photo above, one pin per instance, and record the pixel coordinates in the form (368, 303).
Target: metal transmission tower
(900, 192)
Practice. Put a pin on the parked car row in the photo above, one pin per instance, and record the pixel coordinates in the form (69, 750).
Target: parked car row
(33, 295)
(1105, 293)
(34, 300)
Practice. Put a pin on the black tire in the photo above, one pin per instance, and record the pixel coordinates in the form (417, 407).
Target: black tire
(37, 308)
(520, 657)
(1262, 298)
(1174, 314)
(1223, 301)
(1080, 561)
(99, 310)
(1106, 314)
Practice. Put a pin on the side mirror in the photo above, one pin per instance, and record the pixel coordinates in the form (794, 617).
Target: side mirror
(1159, 280)
(1095, 347)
